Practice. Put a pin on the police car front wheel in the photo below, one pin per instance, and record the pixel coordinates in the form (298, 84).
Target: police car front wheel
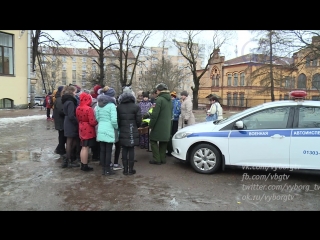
(205, 158)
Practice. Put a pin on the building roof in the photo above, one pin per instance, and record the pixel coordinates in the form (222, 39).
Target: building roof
(258, 59)
(82, 51)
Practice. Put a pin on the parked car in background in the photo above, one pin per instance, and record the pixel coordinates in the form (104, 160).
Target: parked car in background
(281, 135)
(38, 101)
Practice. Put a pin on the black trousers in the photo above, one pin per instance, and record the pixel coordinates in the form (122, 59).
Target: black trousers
(61, 148)
(48, 112)
(105, 154)
(117, 152)
(174, 129)
(128, 154)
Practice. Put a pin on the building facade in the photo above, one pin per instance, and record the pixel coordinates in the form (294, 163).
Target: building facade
(15, 62)
(244, 81)
(78, 66)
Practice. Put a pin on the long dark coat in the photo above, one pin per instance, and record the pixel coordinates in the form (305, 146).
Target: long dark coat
(71, 125)
(160, 120)
(129, 120)
(58, 113)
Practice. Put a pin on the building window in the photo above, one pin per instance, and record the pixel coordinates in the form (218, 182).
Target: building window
(314, 62)
(84, 59)
(307, 62)
(84, 82)
(235, 99)
(315, 98)
(64, 77)
(74, 75)
(74, 59)
(302, 81)
(235, 79)
(229, 99)
(289, 82)
(241, 99)
(217, 80)
(229, 79)
(286, 97)
(84, 67)
(280, 97)
(64, 59)
(64, 67)
(6, 54)
(74, 67)
(54, 58)
(242, 80)
(316, 81)
(84, 75)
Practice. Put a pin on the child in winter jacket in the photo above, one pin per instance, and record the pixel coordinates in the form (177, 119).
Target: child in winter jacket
(87, 132)
(145, 106)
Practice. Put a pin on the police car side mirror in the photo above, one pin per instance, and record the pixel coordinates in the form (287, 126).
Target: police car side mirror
(239, 124)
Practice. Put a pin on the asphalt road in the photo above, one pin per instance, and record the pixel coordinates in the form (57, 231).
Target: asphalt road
(31, 179)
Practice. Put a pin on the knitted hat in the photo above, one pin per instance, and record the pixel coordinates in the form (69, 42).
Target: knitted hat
(95, 91)
(173, 94)
(60, 88)
(109, 91)
(184, 93)
(145, 94)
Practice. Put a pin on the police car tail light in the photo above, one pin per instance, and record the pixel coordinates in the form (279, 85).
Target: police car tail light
(298, 95)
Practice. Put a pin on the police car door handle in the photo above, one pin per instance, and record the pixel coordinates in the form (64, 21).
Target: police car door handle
(277, 136)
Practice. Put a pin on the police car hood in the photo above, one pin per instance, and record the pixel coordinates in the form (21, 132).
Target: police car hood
(201, 127)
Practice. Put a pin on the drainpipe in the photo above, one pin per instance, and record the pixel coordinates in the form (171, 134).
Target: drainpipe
(29, 66)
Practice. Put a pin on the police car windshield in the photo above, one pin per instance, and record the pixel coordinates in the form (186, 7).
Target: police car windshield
(239, 114)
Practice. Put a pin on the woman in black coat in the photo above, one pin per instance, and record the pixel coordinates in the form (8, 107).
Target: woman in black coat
(129, 120)
(71, 125)
(59, 122)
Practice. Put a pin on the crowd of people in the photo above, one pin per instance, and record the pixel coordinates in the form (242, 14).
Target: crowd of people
(100, 120)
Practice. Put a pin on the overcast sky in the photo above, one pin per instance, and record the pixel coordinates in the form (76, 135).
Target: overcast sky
(242, 41)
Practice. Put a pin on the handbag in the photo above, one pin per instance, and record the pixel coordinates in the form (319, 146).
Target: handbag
(211, 117)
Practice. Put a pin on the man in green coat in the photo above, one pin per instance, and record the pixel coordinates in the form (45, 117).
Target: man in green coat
(160, 125)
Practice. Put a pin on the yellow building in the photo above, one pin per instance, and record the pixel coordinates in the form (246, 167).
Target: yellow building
(15, 62)
(78, 66)
(244, 81)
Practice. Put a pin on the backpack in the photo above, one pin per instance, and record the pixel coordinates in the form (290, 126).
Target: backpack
(48, 102)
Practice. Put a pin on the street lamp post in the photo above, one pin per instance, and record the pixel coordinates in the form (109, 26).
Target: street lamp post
(33, 81)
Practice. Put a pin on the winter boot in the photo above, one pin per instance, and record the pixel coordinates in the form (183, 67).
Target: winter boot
(108, 170)
(85, 167)
(73, 164)
(64, 162)
(131, 170)
(125, 167)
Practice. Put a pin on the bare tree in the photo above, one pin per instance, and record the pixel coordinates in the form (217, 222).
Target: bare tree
(162, 71)
(190, 49)
(275, 47)
(40, 38)
(127, 42)
(95, 39)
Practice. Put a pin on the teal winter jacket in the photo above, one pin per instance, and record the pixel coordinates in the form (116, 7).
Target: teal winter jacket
(106, 115)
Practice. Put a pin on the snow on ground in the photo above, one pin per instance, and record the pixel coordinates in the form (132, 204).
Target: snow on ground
(5, 121)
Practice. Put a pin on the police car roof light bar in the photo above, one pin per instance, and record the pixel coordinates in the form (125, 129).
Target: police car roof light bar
(298, 95)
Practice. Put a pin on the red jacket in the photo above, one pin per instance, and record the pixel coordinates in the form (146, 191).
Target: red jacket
(86, 118)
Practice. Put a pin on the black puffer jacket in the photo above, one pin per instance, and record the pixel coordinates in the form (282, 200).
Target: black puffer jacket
(71, 125)
(129, 120)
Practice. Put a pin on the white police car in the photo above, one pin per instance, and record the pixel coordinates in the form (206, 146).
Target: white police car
(281, 134)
